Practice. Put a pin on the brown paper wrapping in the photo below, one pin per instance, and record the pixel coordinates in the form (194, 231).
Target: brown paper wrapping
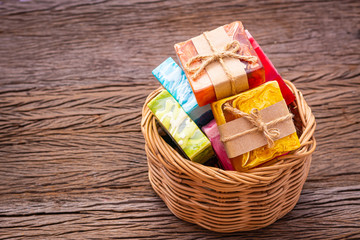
(222, 84)
(254, 140)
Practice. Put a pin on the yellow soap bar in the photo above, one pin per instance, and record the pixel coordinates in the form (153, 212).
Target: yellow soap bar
(260, 97)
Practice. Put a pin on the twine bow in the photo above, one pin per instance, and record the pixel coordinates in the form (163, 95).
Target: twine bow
(229, 51)
(259, 125)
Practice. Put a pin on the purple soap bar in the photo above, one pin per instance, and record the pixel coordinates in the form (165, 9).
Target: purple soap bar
(212, 132)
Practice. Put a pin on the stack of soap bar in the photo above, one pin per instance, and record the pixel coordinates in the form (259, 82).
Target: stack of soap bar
(212, 132)
(270, 71)
(181, 128)
(173, 78)
(212, 83)
(263, 98)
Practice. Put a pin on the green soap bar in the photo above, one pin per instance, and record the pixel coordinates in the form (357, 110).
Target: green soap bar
(181, 128)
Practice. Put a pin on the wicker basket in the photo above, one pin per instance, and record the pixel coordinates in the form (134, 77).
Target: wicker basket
(228, 201)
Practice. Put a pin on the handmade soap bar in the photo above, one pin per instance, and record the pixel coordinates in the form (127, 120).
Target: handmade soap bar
(212, 132)
(181, 128)
(220, 63)
(255, 126)
(173, 78)
(270, 71)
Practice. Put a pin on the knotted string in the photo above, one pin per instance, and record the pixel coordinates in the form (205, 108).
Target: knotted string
(229, 51)
(259, 125)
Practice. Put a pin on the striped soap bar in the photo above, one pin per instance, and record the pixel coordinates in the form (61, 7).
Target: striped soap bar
(174, 80)
(195, 145)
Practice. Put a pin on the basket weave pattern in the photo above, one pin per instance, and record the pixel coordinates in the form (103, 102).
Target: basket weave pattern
(228, 201)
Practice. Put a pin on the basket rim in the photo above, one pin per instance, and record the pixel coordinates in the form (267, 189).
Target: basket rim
(172, 161)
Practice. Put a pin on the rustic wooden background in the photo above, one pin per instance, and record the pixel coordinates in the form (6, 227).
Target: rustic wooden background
(74, 76)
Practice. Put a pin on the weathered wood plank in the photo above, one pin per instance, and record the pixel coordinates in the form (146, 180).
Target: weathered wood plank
(74, 76)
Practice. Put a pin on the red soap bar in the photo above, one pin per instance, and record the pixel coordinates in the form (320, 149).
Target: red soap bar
(270, 71)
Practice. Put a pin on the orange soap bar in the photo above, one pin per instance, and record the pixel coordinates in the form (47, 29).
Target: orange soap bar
(202, 85)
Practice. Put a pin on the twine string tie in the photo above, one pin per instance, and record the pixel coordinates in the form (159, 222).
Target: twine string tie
(254, 117)
(229, 51)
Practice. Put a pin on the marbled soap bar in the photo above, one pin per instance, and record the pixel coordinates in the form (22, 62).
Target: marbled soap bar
(173, 78)
(212, 132)
(195, 145)
(210, 85)
(270, 71)
(261, 97)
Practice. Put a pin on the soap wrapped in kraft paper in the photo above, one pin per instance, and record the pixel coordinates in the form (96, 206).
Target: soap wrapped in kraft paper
(174, 80)
(220, 63)
(195, 145)
(255, 126)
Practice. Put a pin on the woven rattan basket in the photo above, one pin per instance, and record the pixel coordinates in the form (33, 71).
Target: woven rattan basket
(228, 201)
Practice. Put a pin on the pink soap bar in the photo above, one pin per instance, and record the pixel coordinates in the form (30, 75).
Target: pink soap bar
(212, 132)
(270, 71)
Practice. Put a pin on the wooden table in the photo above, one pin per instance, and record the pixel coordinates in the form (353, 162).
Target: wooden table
(74, 76)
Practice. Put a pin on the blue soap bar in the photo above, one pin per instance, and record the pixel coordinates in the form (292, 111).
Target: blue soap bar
(173, 78)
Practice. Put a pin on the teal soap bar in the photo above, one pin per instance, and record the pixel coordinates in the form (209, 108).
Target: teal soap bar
(195, 145)
(174, 80)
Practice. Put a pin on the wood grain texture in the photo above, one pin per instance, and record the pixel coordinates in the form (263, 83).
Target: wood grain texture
(74, 76)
